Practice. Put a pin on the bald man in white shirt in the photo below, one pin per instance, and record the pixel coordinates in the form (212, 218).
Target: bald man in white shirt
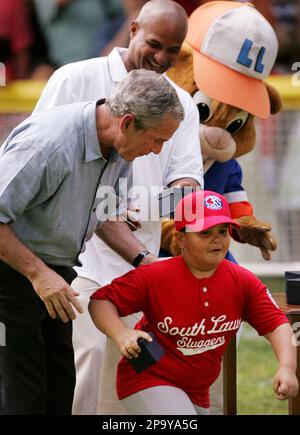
(156, 38)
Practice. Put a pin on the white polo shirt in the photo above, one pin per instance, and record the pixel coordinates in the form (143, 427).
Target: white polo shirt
(180, 157)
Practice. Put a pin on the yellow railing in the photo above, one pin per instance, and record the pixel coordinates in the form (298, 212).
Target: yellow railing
(288, 91)
(21, 96)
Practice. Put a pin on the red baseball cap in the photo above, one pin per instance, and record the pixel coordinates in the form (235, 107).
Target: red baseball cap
(201, 210)
(234, 50)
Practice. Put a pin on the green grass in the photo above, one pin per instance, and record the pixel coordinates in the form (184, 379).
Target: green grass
(256, 366)
(274, 284)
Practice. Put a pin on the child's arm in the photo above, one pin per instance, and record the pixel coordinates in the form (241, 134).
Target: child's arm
(105, 316)
(285, 382)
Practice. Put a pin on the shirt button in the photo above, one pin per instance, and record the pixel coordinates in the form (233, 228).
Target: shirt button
(94, 209)
(206, 304)
(204, 289)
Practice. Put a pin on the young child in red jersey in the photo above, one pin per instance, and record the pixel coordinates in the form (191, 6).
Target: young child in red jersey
(194, 304)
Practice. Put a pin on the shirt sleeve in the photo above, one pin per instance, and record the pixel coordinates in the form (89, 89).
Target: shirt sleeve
(58, 91)
(27, 178)
(261, 311)
(185, 157)
(128, 293)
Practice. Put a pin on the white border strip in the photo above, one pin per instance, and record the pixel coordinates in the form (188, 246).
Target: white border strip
(271, 269)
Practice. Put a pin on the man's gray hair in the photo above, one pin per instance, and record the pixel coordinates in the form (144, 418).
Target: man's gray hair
(146, 95)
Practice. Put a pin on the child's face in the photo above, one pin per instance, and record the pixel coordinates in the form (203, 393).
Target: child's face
(206, 249)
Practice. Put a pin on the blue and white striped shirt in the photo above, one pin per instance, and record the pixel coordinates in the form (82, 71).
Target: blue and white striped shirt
(50, 169)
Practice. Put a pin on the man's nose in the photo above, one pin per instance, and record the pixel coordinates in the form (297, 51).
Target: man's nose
(161, 57)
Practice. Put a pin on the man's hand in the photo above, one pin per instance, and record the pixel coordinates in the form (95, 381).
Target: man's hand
(127, 342)
(148, 259)
(185, 182)
(132, 217)
(285, 383)
(256, 233)
(57, 295)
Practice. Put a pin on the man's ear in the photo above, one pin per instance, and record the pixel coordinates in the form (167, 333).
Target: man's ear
(126, 121)
(134, 27)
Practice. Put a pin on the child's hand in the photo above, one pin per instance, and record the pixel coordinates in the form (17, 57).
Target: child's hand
(128, 345)
(285, 384)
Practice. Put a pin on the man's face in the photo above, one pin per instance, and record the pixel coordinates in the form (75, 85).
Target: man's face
(155, 45)
(206, 249)
(137, 143)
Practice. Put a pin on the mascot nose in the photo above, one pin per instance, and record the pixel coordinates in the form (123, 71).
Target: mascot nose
(217, 143)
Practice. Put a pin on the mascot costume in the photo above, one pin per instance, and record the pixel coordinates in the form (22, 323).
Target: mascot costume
(229, 50)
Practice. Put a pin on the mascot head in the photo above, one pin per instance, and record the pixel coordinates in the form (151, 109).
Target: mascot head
(234, 50)
(229, 50)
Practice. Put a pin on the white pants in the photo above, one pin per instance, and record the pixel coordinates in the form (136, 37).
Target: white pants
(162, 400)
(89, 344)
(109, 403)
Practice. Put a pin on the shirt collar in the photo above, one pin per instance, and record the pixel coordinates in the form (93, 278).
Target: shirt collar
(90, 137)
(116, 65)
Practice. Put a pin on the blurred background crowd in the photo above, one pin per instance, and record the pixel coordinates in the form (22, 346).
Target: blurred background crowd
(38, 36)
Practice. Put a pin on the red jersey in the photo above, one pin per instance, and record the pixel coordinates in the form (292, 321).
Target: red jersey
(193, 319)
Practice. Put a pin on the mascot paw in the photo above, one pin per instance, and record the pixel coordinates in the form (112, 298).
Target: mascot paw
(256, 233)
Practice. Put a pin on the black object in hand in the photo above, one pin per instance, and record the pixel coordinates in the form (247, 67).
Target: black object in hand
(169, 198)
(151, 352)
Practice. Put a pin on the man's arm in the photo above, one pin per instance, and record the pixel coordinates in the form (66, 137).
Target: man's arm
(54, 291)
(285, 383)
(119, 237)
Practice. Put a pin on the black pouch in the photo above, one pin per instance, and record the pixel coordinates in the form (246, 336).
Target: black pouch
(151, 352)
(292, 287)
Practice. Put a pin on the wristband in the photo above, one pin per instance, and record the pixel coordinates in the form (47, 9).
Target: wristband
(139, 258)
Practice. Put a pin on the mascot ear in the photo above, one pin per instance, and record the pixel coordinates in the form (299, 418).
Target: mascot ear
(275, 99)
(183, 71)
